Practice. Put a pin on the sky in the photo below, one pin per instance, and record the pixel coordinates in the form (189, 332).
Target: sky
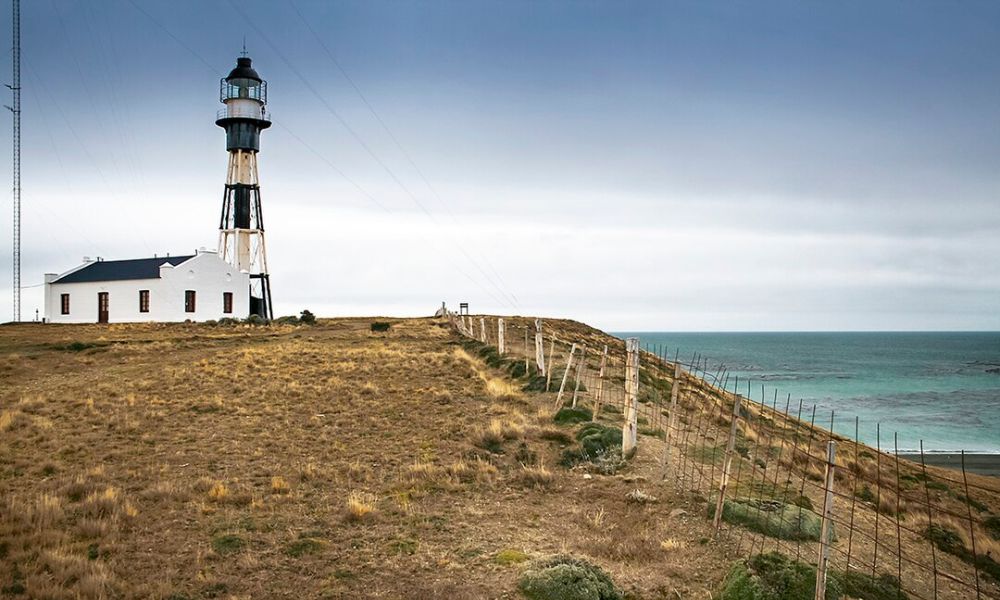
(674, 166)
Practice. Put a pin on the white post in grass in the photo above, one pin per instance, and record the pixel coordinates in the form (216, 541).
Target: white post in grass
(727, 468)
(630, 431)
(824, 537)
(579, 372)
(527, 355)
(501, 346)
(482, 329)
(674, 391)
(562, 386)
(599, 396)
(539, 348)
(552, 360)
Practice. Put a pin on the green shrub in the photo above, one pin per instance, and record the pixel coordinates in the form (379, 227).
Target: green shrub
(380, 326)
(992, 526)
(227, 544)
(567, 578)
(517, 369)
(948, 540)
(773, 518)
(303, 546)
(537, 383)
(598, 445)
(287, 320)
(856, 584)
(772, 576)
(510, 556)
(307, 317)
(568, 415)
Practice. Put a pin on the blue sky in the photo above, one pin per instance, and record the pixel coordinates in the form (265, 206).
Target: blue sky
(662, 165)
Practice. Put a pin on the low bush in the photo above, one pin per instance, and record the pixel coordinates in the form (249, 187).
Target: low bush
(380, 326)
(948, 540)
(510, 556)
(599, 446)
(773, 518)
(567, 578)
(227, 544)
(569, 416)
(773, 576)
(307, 317)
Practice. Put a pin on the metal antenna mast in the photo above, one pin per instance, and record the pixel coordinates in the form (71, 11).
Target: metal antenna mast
(15, 88)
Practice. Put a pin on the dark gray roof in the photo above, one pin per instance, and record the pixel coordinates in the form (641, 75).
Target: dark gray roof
(243, 70)
(115, 270)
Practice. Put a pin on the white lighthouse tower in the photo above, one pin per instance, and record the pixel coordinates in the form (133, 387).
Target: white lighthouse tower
(241, 227)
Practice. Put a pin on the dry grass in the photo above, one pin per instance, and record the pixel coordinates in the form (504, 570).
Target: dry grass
(360, 506)
(120, 469)
(279, 485)
(538, 477)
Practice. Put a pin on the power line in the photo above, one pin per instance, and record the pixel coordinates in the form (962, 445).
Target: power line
(365, 145)
(392, 136)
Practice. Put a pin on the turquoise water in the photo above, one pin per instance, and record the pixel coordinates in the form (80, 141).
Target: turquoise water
(942, 388)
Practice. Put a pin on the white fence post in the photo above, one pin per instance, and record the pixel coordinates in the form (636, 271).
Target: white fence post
(482, 329)
(501, 346)
(824, 538)
(724, 483)
(630, 433)
(539, 348)
(562, 386)
(599, 396)
(674, 391)
(552, 362)
(579, 373)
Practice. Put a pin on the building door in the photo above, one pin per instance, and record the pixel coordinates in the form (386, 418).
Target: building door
(102, 307)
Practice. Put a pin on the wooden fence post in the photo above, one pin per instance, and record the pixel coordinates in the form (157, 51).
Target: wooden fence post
(527, 355)
(501, 346)
(674, 391)
(824, 538)
(599, 397)
(552, 361)
(728, 465)
(579, 373)
(562, 386)
(630, 432)
(539, 348)
(482, 329)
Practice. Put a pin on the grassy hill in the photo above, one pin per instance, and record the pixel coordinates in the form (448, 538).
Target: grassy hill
(191, 461)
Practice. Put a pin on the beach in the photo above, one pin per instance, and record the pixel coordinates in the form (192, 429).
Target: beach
(981, 464)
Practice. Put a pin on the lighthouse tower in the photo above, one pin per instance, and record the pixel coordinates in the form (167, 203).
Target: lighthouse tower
(241, 228)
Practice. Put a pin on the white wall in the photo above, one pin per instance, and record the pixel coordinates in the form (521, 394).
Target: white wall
(207, 274)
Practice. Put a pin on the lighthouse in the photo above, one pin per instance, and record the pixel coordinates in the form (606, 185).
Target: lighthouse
(241, 226)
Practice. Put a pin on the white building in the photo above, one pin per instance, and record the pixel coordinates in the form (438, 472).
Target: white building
(198, 287)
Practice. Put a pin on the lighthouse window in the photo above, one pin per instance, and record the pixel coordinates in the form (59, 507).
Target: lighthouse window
(227, 302)
(188, 300)
(64, 300)
(143, 300)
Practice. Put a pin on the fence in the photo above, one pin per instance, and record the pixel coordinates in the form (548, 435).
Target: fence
(773, 478)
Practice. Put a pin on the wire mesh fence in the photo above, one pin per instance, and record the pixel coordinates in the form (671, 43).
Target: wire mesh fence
(773, 475)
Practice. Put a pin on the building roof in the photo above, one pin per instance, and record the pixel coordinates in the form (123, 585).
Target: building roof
(116, 270)
(243, 70)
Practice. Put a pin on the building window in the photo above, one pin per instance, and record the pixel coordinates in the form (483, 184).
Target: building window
(189, 301)
(143, 300)
(64, 300)
(227, 302)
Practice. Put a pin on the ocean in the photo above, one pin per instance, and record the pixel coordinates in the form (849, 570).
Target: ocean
(939, 388)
